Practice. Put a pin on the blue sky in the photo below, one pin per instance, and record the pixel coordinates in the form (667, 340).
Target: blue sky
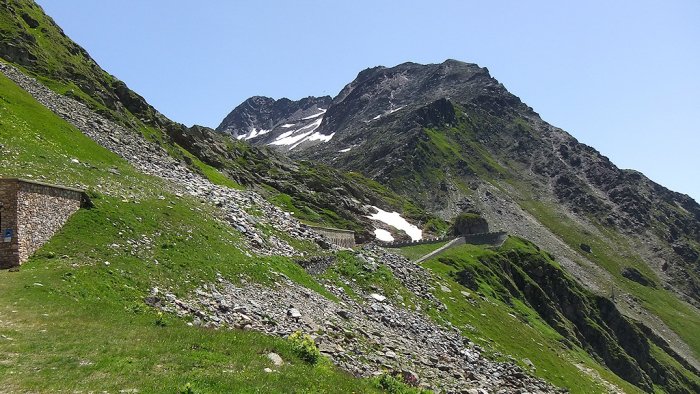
(622, 76)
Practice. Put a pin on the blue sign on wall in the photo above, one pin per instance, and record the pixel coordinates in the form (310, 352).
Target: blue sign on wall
(8, 233)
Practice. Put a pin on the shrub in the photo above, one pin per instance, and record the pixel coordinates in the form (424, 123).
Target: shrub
(160, 320)
(394, 385)
(188, 389)
(305, 347)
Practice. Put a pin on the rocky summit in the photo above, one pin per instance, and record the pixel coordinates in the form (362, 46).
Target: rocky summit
(277, 122)
(422, 231)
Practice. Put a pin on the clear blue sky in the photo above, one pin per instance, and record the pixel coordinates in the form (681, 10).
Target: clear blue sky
(621, 76)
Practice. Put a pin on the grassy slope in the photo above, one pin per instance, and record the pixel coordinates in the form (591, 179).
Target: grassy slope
(67, 69)
(58, 59)
(515, 329)
(70, 321)
(614, 254)
(526, 335)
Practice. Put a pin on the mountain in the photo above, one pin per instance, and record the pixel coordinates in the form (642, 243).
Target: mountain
(452, 138)
(448, 135)
(193, 271)
(278, 122)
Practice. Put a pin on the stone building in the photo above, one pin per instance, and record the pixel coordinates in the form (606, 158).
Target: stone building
(30, 214)
(342, 238)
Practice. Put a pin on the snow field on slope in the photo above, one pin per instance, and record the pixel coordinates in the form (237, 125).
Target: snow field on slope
(395, 220)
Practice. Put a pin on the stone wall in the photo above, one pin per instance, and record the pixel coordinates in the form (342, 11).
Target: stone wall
(494, 238)
(342, 238)
(424, 241)
(9, 251)
(34, 212)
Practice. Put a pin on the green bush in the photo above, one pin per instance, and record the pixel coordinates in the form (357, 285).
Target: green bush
(188, 389)
(305, 347)
(160, 320)
(436, 226)
(394, 385)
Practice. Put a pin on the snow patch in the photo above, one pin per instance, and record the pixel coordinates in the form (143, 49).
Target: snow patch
(395, 220)
(320, 137)
(394, 110)
(287, 125)
(383, 235)
(345, 150)
(285, 135)
(252, 134)
(288, 138)
(389, 112)
(291, 140)
(323, 111)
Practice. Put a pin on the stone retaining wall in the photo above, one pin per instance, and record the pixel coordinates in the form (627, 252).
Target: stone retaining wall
(495, 238)
(342, 238)
(425, 241)
(32, 213)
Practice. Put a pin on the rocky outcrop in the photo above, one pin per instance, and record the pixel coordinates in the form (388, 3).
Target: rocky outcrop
(635, 275)
(263, 115)
(453, 139)
(469, 223)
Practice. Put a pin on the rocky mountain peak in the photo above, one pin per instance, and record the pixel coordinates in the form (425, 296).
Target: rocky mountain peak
(375, 93)
(259, 115)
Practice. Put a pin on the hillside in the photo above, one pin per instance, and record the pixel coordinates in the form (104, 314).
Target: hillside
(187, 276)
(161, 237)
(453, 139)
(95, 273)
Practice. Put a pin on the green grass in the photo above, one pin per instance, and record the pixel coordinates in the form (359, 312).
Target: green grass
(58, 61)
(73, 317)
(317, 217)
(415, 252)
(407, 207)
(52, 343)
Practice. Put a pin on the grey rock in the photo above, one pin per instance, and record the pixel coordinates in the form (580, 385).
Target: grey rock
(275, 358)
(293, 313)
